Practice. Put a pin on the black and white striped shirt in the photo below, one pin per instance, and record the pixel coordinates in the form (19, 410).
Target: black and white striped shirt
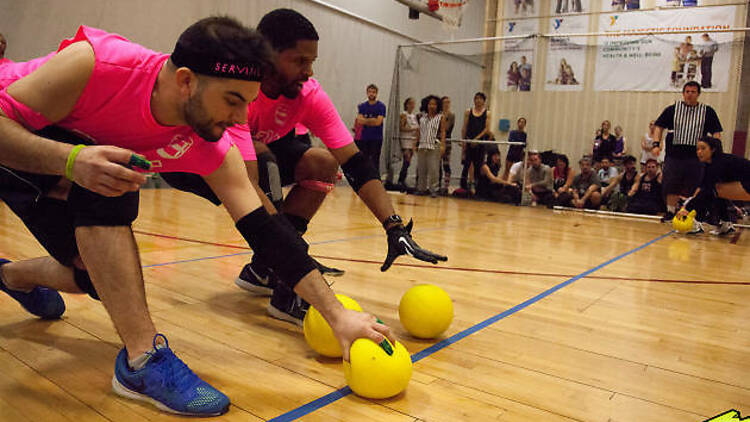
(689, 122)
(428, 131)
(685, 125)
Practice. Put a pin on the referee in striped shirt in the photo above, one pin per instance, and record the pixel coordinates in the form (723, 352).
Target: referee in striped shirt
(686, 122)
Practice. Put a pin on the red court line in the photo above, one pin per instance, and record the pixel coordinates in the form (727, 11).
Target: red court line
(464, 269)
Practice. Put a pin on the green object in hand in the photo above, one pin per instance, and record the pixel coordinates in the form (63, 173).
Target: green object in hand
(384, 344)
(137, 161)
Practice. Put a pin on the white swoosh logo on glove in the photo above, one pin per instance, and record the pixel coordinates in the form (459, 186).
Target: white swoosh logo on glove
(407, 246)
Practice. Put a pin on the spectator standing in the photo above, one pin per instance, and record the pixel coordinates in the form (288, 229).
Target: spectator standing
(476, 126)
(516, 152)
(604, 144)
(370, 115)
(431, 145)
(621, 144)
(408, 134)
(647, 147)
(450, 122)
(686, 121)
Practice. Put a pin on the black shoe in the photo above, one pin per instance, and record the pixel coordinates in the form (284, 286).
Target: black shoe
(257, 279)
(287, 306)
(668, 217)
(329, 271)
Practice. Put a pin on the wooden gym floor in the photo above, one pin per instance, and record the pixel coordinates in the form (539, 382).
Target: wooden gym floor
(659, 334)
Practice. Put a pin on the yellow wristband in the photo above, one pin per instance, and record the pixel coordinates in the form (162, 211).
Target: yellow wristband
(71, 160)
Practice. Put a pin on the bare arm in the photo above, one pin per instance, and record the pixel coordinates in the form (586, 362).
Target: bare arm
(53, 90)
(486, 130)
(636, 185)
(442, 134)
(593, 188)
(232, 186)
(658, 131)
(372, 193)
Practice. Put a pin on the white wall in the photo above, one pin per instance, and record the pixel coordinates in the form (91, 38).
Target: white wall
(352, 54)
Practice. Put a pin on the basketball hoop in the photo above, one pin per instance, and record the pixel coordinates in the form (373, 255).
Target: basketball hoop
(452, 11)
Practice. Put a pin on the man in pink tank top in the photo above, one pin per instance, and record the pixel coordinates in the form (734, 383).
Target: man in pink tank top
(290, 96)
(112, 98)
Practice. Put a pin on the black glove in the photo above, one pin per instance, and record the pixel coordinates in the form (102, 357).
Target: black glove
(401, 243)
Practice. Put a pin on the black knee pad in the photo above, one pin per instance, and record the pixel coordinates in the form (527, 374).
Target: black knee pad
(83, 281)
(269, 177)
(91, 209)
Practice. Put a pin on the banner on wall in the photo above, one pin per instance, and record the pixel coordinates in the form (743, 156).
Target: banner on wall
(664, 62)
(521, 8)
(517, 61)
(557, 7)
(566, 57)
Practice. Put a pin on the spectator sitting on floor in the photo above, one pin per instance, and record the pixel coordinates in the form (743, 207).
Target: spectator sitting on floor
(618, 188)
(562, 174)
(491, 186)
(584, 193)
(539, 180)
(646, 196)
(607, 172)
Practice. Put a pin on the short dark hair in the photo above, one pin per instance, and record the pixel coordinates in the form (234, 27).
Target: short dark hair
(284, 27)
(445, 97)
(519, 119)
(652, 159)
(372, 86)
(406, 101)
(714, 144)
(491, 150)
(480, 94)
(692, 83)
(628, 159)
(225, 38)
(426, 101)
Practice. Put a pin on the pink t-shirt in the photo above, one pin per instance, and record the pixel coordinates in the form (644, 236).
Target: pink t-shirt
(115, 107)
(5, 60)
(269, 119)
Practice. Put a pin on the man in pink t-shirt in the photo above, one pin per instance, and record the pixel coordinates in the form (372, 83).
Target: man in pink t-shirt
(113, 98)
(289, 96)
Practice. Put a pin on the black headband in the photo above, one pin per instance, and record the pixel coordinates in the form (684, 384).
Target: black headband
(212, 66)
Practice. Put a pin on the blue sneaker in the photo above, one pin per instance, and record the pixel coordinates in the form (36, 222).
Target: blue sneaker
(42, 302)
(167, 383)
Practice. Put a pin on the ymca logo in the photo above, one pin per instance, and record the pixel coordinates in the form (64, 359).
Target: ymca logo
(557, 24)
(177, 148)
(511, 25)
(613, 20)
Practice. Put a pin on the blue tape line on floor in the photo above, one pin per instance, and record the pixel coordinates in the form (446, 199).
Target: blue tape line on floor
(339, 394)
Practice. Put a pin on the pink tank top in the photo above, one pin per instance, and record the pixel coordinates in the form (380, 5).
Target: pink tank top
(115, 107)
(269, 119)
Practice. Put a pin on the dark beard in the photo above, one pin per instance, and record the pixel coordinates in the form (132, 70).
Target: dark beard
(197, 118)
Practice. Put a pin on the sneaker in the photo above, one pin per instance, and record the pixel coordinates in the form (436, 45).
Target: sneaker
(257, 279)
(668, 217)
(697, 228)
(41, 301)
(329, 271)
(287, 306)
(167, 383)
(724, 228)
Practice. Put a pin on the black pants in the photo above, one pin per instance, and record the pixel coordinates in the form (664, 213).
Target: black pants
(371, 149)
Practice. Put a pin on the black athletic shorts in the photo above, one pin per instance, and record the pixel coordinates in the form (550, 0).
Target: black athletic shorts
(286, 152)
(681, 176)
(51, 221)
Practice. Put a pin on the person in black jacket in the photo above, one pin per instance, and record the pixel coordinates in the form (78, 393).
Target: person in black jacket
(726, 177)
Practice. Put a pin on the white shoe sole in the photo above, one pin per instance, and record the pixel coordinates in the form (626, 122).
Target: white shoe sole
(123, 391)
(275, 313)
(253, 288)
